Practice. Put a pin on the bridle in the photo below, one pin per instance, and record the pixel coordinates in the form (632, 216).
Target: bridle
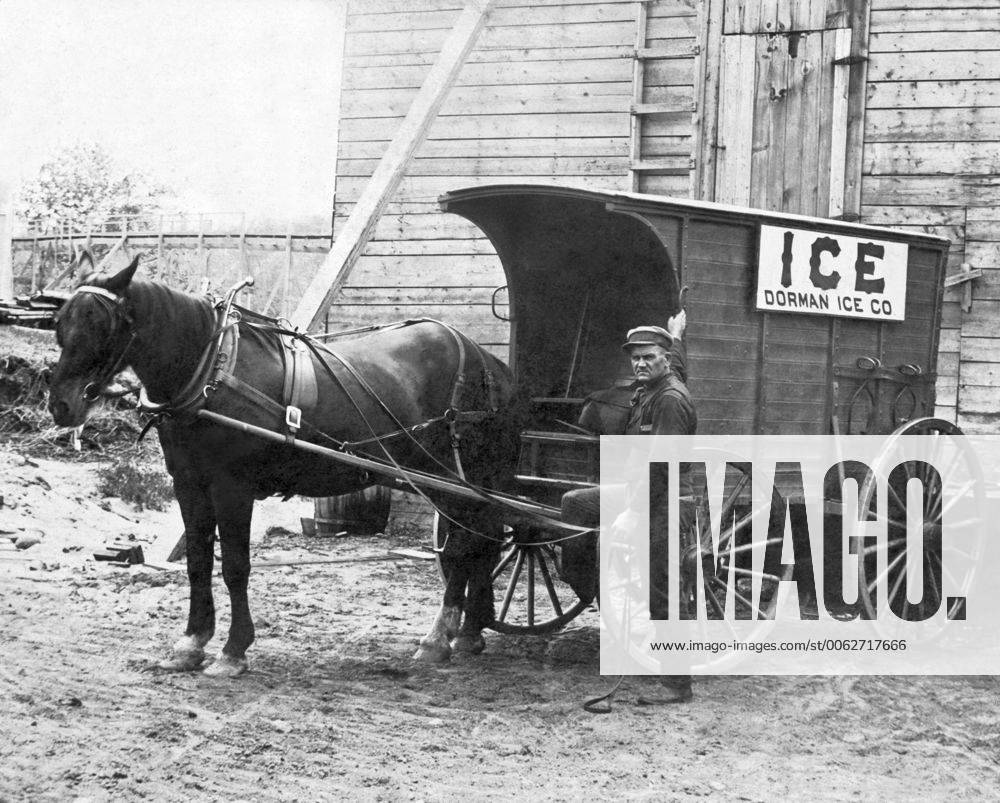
(121, 322)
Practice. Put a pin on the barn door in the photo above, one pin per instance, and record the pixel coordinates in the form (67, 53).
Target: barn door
(783, 115)
(786, 136)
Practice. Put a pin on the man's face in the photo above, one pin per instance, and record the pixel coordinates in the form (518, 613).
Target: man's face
(649, 363)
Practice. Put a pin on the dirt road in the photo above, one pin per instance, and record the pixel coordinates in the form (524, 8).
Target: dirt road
(334, 707)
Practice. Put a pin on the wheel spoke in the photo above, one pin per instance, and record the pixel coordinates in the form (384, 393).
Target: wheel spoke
(868, 550)
(751, 573)
(957, 497)
(736, 594)
(711, 598)
(505, 562)
(964, 523)
(740, 485)
(892, 492)
(934, 583)
(549, 587)
(895, 586)
(946, 573)
(874, 584)
(954, 550)
(531, 586)
(512, 584)
(757, 545)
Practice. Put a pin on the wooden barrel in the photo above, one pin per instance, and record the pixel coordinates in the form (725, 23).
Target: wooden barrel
(360, 513)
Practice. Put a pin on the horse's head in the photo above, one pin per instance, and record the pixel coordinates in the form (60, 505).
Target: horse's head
(94, 331)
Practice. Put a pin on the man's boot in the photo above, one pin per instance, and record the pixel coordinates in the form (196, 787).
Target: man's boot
(673, 689)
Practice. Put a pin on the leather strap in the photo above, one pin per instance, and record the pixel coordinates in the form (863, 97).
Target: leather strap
(299, 392)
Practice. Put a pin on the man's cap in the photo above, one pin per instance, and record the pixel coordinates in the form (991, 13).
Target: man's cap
(648, 336)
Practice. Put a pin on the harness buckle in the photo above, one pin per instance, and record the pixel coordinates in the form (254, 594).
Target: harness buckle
(293, 418)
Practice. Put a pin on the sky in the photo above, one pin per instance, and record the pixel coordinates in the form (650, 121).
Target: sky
(231, 103)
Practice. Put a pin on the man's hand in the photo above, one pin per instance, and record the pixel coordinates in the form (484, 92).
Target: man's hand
(677, 325)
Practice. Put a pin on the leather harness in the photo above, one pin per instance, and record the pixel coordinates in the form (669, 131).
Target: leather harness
(299, 395)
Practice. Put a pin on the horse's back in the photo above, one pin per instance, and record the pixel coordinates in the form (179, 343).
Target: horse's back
(374, 393)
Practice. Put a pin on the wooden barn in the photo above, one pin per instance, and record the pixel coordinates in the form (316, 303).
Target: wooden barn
(872, 111)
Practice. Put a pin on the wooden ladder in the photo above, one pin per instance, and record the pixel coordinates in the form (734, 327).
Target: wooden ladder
(639, 109)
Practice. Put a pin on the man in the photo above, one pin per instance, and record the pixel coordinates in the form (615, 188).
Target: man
(661, 405)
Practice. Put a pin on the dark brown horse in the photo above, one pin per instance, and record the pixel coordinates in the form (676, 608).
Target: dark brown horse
(384, 384)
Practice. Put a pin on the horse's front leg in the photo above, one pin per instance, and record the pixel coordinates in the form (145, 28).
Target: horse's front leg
(479, 610)
(233, 505)
(435, 647)
(188, 652)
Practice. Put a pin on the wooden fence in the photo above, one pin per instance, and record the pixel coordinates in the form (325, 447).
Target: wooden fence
(196, 261)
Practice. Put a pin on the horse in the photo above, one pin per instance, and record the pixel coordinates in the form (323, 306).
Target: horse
(417, 395)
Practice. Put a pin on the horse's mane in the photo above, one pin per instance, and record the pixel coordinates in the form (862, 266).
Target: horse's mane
(173, 309)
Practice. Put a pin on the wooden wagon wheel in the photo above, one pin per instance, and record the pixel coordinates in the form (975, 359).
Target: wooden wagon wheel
(957, 559)
(624, 606)
(735, 546)
(530, 597)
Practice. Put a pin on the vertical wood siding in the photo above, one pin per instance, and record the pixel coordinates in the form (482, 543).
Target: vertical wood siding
(932, 163)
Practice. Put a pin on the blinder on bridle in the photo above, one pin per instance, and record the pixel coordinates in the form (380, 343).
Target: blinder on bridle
(120, 320)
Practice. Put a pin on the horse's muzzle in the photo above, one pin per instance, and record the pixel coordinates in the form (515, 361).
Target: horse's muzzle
(68, 409)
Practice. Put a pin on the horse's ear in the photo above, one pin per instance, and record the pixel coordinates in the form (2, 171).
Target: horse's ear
(118, 282)
(84, 262)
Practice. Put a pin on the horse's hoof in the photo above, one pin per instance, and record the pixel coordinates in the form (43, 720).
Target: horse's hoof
(186, 660)
(473, 645)
(225, 667)
(185, 656)
(432, 653)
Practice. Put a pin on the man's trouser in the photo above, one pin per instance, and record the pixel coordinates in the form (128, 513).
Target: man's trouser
(580, 557)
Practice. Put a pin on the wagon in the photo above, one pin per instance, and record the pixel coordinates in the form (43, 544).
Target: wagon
(796, 325)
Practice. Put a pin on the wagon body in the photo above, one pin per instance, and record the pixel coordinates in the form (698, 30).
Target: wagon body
(796, 326)
(583, 267)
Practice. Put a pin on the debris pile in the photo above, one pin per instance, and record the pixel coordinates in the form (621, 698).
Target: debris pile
(37, 310)
(26, 360)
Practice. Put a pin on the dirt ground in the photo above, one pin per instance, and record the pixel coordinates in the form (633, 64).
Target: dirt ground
(334, 707)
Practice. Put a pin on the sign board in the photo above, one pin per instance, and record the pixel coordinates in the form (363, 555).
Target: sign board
(823, 273)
